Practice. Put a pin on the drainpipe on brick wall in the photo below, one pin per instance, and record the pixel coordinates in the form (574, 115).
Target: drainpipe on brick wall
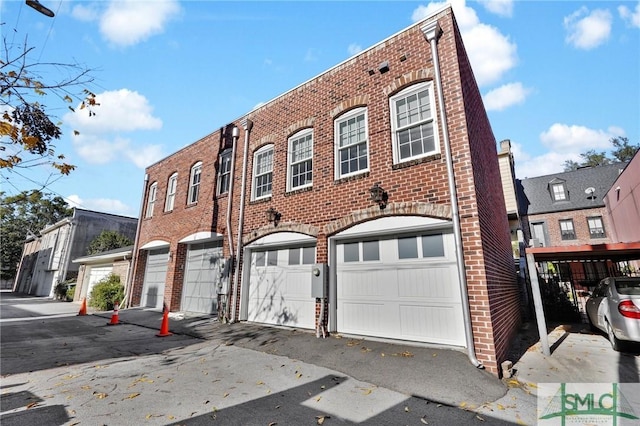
(234, 136)
(432, 32)
(248, 125)
(134, 253)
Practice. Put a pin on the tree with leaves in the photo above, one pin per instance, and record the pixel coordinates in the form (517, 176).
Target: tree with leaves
(622, 152)
(108, 240)
(27, 129)
(22, 215)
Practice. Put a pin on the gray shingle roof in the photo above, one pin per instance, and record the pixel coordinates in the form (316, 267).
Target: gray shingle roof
(534, 196)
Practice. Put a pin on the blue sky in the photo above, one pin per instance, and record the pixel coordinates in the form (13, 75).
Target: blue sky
(557, 78)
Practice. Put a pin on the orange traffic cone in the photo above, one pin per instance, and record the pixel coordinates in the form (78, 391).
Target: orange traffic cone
(114, 316)
(83, 307)
(164, 327)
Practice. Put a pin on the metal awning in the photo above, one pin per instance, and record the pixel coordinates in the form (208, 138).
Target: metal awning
(616, 252)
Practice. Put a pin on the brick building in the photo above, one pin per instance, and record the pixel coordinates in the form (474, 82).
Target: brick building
(365, 201)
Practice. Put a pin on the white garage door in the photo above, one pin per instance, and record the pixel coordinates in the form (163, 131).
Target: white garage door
(280, 286)
(402, 287)
(96, 274)
(155, 276)
(204, 266)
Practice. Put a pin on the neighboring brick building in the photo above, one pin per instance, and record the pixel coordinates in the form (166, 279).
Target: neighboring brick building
(348, 169)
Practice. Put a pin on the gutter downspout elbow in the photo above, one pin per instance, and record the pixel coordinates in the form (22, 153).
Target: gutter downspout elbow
(432, 32)
(248, 125)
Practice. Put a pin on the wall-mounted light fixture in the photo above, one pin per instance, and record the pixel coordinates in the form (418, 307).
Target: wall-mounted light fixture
(379, 195)
(273, 216)
(35, 4)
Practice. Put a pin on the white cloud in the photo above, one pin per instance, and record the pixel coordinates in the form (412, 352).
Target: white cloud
(311, 55)
(588, 30)
(100, 139)
(119, 110)
(506, 96)
(99, 204)
(354, 49)
(490, 52)
(128, 22)
(499, 7)
(630, 17)
(563, 142)
(85, 12)
(566, 138)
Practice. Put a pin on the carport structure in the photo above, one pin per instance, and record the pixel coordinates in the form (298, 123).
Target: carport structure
(561, 266)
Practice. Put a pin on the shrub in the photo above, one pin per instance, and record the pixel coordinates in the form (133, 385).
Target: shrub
(64, 289)
(106, 292)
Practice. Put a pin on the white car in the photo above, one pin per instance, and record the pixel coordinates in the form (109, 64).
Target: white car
(614, 307)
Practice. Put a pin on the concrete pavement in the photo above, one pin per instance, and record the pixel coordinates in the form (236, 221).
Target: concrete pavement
(437, 375)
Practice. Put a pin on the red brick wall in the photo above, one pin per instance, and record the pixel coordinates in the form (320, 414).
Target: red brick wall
(493, 292)
(580, 226)
(418, 187)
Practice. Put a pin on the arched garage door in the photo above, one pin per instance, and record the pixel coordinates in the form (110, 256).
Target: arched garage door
(279, 284)
(400, 286)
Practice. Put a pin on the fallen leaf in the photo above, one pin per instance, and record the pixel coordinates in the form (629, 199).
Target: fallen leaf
(463, 404)
(406, 409)
(318, 399)
(170, 417)
(131, 395)
(500, 407)
(382, 354)
(479, 418)
(226, 394)
(298, 375)
(423, 420)
(366, 391)
(31, 405)
(260, 382)
(273, 423)
(86, 387)
(320, 419)
(435, 354)
(100, 395)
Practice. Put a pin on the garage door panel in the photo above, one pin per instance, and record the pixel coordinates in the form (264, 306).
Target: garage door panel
(202, 277)
(427, 284)
(154, 278)
(362, 318)
(437, 322)
(367, 284)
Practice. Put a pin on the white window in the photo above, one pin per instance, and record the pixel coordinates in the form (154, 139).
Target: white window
(151, 199)
(566, 229)
(262, 172)
(300, 160)
(413, 123)
(558, 191)
(194, 183)
(224, 173)
(352, 147)
(171, 193)
(596, 228)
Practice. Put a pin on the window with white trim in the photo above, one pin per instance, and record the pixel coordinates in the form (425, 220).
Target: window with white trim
(262, 172)
(596, 227)
(172, 185)
(352, 143)
(151, 199)
(300, 160)
(559, 191)
(413, 123)
(194, 183)
(224, 172)
(567, 230)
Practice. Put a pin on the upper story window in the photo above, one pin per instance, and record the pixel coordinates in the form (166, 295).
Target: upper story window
(558, 189)
(172, 185)
(596, 228)
(300, 160)
(352, 147)
(566, 229)
(224, 173)
(412, 122)
(262, 172)
(194, 183)
(151, 199)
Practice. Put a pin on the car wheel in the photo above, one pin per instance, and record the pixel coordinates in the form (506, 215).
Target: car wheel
(615, 343)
